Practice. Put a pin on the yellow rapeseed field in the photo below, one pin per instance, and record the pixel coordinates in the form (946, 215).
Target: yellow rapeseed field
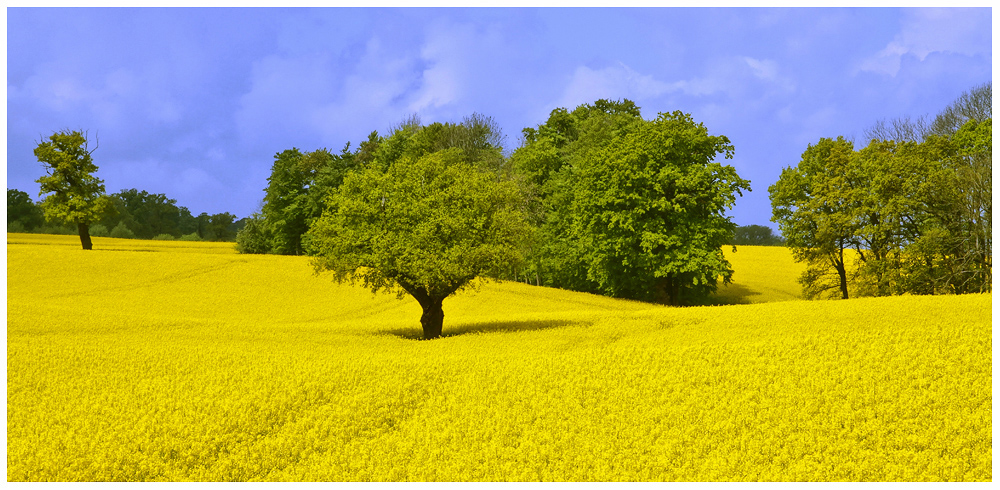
(763, 275)
(143, 360)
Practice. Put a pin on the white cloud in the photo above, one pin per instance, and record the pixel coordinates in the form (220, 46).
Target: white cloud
(933, 30)
(314, 99)
(730, 76)
(763, 69)
(613, 82)
(444, 80)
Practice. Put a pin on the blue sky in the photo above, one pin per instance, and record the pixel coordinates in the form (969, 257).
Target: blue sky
(194, 103)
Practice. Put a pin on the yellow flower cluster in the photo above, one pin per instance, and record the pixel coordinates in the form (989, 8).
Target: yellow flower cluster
(145, 361)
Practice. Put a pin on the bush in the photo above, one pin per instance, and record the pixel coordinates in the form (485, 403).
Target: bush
(253, 238)
(99, 230)
(122, 231)
(164, 236)
(53, 229)
(17, 227)
(190, 237)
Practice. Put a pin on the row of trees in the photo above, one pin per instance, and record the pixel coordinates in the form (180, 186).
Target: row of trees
(911, 212)
(130, 214)
(756, 235)
(75, 196)
(597, 199)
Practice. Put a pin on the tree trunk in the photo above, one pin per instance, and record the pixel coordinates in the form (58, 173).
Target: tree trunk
(842, 273)
(667, 290)
(84, 229)
(433, 318)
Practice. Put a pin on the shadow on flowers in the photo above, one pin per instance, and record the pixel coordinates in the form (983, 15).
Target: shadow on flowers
(464, 328)
(731, 294)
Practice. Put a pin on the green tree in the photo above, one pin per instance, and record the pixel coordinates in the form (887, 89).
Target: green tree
(203, 227)
(547, 162)
(146, 215)
(813, 204)
(421, 221)
(649, 206)
(219, 227)
(254, 237)
(296, 192)
(889, 179)
(24, 212)
(74, 194)
(960, 204)
(285, 200)
(186, 222)
(121, 231)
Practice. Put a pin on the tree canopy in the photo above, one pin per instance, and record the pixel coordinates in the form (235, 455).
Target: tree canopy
(426, 217)
(812, 204)
(628, 207)
(74, 194)
(914, 206)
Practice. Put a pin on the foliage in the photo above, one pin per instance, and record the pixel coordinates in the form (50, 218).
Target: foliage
(190, 237)
(546, 162)
(915, 205)
(756, 235)
(628, 207)
(148, 215)
(164, 236)
(424, 219)
(121, 231)
(649, 207)
(254, 238)
(55, 229)
(294, 378)
(813, 205)
(219, 228)
(24, 212)
(284, 203)
(295, 196)
(99, 230)
(74, 194)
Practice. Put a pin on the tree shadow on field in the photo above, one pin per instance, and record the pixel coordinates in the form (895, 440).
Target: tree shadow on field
(731, 294)
(416, 333)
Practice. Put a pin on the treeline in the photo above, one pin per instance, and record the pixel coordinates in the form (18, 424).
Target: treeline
(129, 214)
(756, 235)
(612, 203)
(910, 212)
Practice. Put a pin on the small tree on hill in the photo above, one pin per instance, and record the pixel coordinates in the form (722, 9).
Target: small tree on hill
(75, 195)
(421, 220)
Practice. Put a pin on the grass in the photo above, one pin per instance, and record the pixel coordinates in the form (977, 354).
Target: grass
(146, 360)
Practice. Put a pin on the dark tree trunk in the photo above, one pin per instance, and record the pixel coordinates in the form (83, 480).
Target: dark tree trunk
(84, 229)
(433, 318)
(842, 272)
(667, 290)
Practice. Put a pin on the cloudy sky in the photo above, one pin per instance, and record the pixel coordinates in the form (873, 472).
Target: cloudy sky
(194, 103)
